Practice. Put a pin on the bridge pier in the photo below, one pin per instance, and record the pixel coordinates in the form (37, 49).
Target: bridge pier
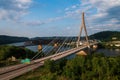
(87, 50)
(94, 47)
(55, 45)
(39, 47)
(84, 52)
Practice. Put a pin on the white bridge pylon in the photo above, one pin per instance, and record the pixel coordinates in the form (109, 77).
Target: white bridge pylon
(83, 26)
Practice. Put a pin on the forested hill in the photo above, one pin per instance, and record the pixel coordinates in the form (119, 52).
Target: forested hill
(11, 39)
(106, 35)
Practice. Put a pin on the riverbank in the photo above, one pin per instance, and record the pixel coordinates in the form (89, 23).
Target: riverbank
(10, 55)
(109, 45)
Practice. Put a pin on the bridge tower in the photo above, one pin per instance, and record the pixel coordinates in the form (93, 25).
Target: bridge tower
(83, 26)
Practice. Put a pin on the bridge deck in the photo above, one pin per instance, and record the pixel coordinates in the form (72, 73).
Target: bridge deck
(14, 71)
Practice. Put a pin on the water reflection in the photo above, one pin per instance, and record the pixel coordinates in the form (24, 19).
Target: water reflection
(117, 50)
(109, 52)
(35, 48)
(17, 44)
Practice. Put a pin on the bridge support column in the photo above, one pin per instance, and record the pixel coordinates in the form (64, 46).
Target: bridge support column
(83, 26)
(55, 45)
(95, 47)
(39, 47)
(84, 52)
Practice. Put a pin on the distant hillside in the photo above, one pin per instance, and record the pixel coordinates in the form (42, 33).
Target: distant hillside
(106, 35)
(11, 39)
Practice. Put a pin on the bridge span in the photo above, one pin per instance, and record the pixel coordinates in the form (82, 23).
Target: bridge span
(17, 70)
(7, 73)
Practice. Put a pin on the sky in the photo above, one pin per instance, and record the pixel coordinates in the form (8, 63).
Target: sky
(44, 18)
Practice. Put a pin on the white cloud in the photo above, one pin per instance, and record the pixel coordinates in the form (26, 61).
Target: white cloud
(23, 3)
(66, 9)
(100, 14)
(13, 9)
(87, 6)
(74, 6)
(103, 5)
(32, 23)
(2, 13)
(38, 22)
(106, 16)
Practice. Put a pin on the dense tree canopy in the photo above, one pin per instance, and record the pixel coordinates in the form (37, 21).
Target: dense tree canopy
(106, 35)
(93, 67)
(11, 39)
(8, 51)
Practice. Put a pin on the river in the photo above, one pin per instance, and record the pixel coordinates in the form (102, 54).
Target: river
(107, 52)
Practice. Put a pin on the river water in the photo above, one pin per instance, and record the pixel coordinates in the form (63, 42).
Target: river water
(107, 52)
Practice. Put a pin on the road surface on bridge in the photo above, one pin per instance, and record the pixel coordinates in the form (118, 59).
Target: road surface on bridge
(17, 70)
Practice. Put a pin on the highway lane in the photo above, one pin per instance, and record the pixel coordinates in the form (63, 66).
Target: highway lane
(10, 68)
(21, 69)
(15, 71)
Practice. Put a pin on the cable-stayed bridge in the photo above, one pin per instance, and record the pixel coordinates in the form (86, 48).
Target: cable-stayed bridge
(60, 50)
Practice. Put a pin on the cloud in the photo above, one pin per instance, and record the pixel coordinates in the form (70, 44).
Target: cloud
(102, 14)
(32, 23)
(39, 23)
(106, 15)
(71, 7)
(103, 5)
(99, 9)
(113, 13)
(110, 8)
(75, 10)
(97, 12)
(13, 9)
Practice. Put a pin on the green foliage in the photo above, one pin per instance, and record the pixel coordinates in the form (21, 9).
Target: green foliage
(106, 35)
(48, 76)
(8, 51)
(49, 66)
(91, 67)
(11, 39)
